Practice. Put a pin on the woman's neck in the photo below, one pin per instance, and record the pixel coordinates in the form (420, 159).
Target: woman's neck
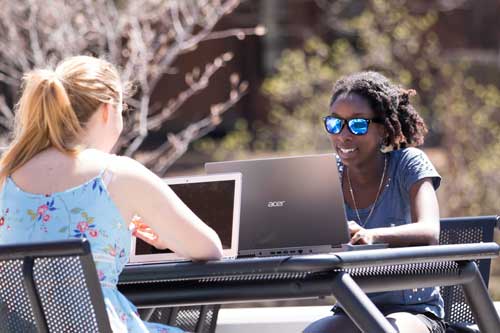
(369, 172)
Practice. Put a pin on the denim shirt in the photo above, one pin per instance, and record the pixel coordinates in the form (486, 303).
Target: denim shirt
(405, 167)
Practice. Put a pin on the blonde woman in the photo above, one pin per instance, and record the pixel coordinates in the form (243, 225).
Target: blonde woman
(58, 180)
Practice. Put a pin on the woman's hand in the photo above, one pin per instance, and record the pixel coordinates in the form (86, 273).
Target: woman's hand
(353, 227)
(360, 235)
(144, 232)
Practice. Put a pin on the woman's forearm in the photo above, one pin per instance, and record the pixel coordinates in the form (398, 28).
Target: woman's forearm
(418, 233)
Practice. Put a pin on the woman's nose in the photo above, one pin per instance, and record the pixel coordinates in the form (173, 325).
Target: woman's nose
(345, 134)
(343, 137)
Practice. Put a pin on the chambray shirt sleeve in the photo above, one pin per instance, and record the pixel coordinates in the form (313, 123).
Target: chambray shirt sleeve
(414, 166)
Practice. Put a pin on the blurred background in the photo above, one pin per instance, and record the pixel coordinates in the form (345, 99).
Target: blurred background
(227, 79)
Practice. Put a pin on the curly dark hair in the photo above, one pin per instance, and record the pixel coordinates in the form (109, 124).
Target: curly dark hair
(391, 103)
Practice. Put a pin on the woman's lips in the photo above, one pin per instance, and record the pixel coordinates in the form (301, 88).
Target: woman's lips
(347, 150)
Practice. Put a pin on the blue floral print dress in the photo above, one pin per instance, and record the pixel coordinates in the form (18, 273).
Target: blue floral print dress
(83, 211)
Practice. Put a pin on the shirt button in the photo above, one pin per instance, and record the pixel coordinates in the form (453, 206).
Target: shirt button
(419, 299)
(409, 297)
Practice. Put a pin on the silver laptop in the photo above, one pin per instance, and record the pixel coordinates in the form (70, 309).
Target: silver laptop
(290, 205)
(216, 200)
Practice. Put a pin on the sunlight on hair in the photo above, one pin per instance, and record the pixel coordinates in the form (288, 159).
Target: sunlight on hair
(56, 105)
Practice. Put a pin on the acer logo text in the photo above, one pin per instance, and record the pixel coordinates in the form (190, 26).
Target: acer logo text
(276, 203)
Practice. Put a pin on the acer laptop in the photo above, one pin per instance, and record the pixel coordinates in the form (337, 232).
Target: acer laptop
(216, 200)
(290, 205)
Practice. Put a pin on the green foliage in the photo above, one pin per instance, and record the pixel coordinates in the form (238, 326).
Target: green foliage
(470, 120)
(233, 142)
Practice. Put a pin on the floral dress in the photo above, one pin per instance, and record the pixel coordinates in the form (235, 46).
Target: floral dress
(83, 211)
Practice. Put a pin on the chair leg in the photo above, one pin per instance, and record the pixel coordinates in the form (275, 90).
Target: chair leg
(200, 325)
(172, 318)
(146, 314)
(480, 301)
(215, 314)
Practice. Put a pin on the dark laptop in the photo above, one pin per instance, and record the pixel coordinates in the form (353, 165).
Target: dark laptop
(289, 205)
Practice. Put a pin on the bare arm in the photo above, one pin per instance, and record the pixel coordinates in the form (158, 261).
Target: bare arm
(143, 193)
(425, 217)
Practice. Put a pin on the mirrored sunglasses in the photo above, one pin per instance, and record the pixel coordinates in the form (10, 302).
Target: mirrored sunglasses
(357, 126)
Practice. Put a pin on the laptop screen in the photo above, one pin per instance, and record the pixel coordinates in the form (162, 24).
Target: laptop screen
(290, 204)
(215, 200)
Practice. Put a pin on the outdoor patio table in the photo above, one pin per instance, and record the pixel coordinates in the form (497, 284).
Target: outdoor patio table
(345, 275)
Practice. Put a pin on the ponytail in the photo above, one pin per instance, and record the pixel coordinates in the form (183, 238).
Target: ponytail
(56, 105)
(44, 117)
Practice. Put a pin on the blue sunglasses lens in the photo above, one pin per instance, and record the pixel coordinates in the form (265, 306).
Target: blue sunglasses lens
(333, 125)
(358, 126)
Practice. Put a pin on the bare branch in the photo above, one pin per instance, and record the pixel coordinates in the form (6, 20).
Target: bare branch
(176, 145)
(8, 116)
(4, 108)
(38, 55)
(9, 80)
(143, 127)
(238, 33)
(181, 45)
(143, 38)
(194, 87)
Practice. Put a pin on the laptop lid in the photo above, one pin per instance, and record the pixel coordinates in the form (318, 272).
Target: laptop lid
(215, 199)
(290, 205)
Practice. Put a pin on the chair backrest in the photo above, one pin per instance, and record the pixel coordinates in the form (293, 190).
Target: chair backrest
(463, 230)
(50, 287)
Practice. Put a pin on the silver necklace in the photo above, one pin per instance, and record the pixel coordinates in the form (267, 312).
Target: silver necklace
(376, 197)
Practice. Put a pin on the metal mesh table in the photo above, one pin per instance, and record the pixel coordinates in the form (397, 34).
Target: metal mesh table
(346, 275)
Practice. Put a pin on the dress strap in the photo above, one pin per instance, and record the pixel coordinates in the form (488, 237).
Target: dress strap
(106, 174)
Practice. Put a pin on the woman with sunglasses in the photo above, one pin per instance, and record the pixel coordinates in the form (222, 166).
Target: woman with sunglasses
(389, 189)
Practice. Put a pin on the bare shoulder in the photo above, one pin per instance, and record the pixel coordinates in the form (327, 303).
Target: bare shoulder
(119, 165)
(129, 169)
(131, 175)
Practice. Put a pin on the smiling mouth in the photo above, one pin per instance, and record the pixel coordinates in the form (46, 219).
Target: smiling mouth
(347, 151)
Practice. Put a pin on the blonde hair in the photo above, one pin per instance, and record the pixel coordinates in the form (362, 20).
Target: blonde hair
(55, 106)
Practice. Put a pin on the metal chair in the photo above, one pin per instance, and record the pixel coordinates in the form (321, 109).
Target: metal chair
(463, 230)
(50, 287)
(198, 319)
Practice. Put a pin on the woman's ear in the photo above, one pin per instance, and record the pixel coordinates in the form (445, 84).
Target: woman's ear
(104, 111)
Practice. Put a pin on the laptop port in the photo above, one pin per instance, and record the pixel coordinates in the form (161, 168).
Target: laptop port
(300, 251)
(272, 252)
